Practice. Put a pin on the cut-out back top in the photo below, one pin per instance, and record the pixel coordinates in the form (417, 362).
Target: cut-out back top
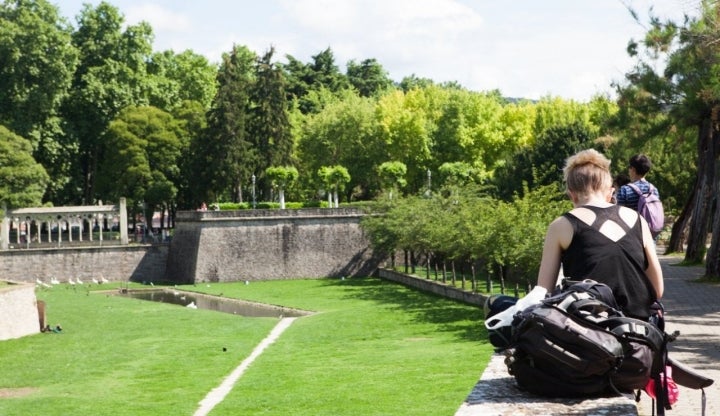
(620, 263)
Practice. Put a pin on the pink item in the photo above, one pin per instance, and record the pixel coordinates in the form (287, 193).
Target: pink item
(673, 391)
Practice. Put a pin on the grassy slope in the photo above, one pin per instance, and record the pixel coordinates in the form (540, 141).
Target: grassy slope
(374, 348)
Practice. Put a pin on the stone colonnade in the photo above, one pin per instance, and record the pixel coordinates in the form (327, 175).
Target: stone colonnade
(34, 226)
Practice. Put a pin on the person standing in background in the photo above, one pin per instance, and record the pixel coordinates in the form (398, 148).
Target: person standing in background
(619, 180)
(639, 167)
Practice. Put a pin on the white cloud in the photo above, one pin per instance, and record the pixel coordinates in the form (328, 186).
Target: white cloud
(427, 37)
(160, 18)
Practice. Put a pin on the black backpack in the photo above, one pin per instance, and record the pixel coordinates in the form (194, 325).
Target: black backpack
(577, 343)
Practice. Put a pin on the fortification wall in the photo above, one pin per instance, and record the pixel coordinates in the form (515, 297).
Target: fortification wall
(115, 263)
(216, 246)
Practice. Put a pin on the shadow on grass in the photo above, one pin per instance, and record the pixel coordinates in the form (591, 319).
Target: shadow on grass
(449, 315)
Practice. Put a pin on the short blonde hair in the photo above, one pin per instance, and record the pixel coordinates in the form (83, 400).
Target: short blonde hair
(587, 171)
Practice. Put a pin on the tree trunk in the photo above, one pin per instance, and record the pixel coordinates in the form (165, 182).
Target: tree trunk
(453, 279)
(405, 258)
(474, 280)
(697, 236)
(488, 279)
(427, 268)
(677, 236)
(501, 276)
(413, 260)
(712, 261)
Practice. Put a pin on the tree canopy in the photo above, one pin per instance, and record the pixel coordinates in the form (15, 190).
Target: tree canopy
(22, 180)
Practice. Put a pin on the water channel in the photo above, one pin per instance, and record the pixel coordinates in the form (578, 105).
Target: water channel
(214, 303)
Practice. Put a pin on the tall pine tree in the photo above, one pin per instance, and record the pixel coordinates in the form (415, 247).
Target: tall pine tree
(269, 125)
(225, 156)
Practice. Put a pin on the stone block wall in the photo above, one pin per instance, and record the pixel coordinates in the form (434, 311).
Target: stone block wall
(434, 287)
(215, 246)
(18, 311)
(115, 263)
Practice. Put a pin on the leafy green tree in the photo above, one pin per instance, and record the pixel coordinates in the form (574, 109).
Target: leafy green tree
(175, 78)
(304, 79)
(334, 178)
(192, 126)
(412, 82)
(551, 112)
(457, 174)
(368, 77)
(542, 164)
(392, 176)
(326, 73)
(22, 179)
(268, 127)
(37, 61)
(141, 163)
(281, 177)
(36, 64)
(344, 133)
(226, 157)
(407, 126)
(298, 78)
(111, 75)
(471, 130)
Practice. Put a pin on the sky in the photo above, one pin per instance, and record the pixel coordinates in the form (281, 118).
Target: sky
(572, 49)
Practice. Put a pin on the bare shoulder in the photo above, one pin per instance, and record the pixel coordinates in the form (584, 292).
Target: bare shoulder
(560, 231)
(560, 221)
(561, 228)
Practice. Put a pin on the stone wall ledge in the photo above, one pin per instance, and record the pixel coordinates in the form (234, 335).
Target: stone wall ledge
(497, 394)
(432, 286)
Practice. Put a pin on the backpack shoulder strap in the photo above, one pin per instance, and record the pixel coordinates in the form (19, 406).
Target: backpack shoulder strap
(636, 329)
(636, 188)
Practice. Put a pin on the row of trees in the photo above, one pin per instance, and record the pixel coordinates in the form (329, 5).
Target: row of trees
(464, 229)
(92, 113)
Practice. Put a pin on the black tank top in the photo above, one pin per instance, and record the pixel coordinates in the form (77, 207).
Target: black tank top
(619, 264)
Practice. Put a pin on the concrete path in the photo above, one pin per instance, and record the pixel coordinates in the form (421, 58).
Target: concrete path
(693, 309)
(218, 394)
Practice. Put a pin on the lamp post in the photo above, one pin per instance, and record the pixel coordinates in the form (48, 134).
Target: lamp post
(253, 191)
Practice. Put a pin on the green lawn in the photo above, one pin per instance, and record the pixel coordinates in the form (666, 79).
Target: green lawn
(372, 348)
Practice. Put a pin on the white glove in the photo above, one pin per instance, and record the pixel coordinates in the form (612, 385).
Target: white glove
(505, 317)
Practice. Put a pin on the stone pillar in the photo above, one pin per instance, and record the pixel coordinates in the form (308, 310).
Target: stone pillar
(123, 222)
(5, 229)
